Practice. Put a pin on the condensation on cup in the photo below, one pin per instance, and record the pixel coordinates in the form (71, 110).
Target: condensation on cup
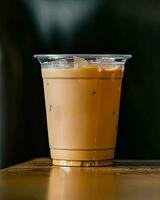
(82, 97)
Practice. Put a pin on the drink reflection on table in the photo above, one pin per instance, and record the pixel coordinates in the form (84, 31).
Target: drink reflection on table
(74, 183)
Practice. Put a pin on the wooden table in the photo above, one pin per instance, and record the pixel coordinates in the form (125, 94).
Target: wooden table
(39, 180)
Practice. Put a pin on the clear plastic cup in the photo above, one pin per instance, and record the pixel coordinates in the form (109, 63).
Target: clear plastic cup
(82, 96)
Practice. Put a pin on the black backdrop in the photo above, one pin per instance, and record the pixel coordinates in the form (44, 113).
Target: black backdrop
(78, 26)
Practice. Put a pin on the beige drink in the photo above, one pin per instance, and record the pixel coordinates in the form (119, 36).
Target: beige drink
(82, 106)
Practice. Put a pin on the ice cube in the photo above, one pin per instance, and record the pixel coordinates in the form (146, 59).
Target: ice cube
(61, 63)
(58, 64)
(79, 62)
(107, 63)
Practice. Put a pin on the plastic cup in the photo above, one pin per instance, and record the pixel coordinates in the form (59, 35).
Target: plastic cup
(82, 97)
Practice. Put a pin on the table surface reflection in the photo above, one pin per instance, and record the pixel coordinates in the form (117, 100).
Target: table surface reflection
(39, 180)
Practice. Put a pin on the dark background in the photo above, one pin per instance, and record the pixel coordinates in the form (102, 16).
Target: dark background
(78, 26)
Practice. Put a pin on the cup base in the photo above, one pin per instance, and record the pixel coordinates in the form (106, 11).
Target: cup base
(82, 163)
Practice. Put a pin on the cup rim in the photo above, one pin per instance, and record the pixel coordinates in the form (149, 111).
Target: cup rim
(57, 56)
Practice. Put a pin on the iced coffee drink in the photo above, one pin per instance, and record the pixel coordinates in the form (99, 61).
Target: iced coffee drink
(82, 105)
